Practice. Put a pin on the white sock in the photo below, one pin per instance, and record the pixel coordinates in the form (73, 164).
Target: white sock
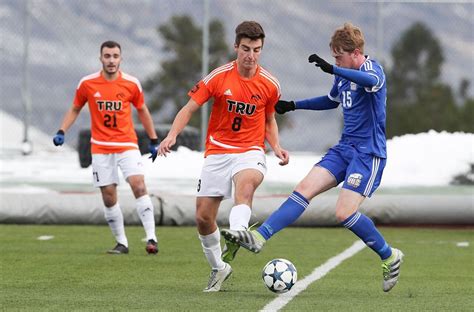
(114, 218)
(146, 213)
(239, 217)
(211, 245)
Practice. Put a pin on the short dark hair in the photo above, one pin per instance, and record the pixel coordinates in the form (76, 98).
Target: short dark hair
(249, 29)
(110, 44)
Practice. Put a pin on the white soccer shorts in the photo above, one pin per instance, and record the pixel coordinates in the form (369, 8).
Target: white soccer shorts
(105, 167)
(218, 171)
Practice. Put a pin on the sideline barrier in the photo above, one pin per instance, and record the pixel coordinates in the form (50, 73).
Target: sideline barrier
(384, 209)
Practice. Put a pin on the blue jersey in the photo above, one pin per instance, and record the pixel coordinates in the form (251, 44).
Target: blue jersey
(364, 110)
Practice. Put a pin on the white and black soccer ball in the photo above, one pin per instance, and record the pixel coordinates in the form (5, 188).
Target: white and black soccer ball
(279, 275)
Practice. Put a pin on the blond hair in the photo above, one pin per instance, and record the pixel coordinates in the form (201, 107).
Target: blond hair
(347, 38)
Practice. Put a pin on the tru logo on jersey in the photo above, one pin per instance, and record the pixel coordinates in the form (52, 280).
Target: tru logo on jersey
(241, 107)
(109, 105)
(354, 180)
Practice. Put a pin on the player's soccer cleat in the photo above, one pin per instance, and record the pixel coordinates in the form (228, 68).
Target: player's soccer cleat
(229, 251)
(391, 269)
(218, 277)
(151, 247)
(118, 250)
(251, 240)
(231, 248)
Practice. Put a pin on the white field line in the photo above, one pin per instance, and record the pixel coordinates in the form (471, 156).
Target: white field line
(318, 273)
(45, 237)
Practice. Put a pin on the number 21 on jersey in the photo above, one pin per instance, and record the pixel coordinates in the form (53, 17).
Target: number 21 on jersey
(110, 120)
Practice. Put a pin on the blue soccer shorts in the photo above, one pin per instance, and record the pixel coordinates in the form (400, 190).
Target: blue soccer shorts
(360, 172)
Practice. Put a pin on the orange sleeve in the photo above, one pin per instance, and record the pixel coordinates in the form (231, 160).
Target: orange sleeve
(81, 96)
(139, 99)
(200, 93)
(272, 100)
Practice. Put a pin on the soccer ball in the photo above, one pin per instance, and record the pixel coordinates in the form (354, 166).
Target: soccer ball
(279, 275)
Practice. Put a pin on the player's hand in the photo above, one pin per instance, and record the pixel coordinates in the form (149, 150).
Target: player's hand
(153, 147)
(59, 138)
(165, 146)
(282, 107)
(325, 66)
(283, 155)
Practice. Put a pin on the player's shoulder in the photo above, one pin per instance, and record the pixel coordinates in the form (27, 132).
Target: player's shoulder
(219, 72)
(88, 78)
(132, 79)
(371, 65)
(269, 78)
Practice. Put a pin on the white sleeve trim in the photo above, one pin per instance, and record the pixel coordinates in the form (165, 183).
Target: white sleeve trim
(335, 99)
(377, 86)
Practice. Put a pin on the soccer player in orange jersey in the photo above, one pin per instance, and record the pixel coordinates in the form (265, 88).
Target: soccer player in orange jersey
(242, 118)
(110, 95)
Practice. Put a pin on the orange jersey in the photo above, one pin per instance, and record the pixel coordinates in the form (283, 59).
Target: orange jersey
(112, 129)
(237, 122)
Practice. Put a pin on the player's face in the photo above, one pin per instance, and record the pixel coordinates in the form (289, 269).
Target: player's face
(110, 58)
(345, 59)
(248, 53)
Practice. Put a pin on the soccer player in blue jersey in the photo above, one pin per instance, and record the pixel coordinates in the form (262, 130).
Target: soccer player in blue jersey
(357, 160)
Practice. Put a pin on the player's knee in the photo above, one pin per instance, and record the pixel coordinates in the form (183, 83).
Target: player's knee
(109, 201)
(343, 214)
(109, 197)
(340, 217)
(203, 220)
(304, 189)
(139, 189)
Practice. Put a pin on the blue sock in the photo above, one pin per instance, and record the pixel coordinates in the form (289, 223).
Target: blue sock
(363, 227)
(288, 212)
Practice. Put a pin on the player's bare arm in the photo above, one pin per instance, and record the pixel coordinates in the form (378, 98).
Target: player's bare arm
(271, 135)
(180, 121)
(147, 122)
(70, 117)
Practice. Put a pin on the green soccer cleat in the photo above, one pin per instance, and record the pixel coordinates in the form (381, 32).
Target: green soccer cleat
(231, 248)
(250, 240)
(229, 251)
(391, 269)
(217, 277)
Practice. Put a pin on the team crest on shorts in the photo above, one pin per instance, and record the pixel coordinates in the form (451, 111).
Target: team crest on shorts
(354, 180)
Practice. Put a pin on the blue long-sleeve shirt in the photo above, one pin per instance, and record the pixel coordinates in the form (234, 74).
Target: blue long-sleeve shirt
(362, 94)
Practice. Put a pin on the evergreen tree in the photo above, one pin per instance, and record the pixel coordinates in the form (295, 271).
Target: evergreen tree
(466, 112)
(417, 99)
(467, 116)
(179, 72)
(415, 95)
